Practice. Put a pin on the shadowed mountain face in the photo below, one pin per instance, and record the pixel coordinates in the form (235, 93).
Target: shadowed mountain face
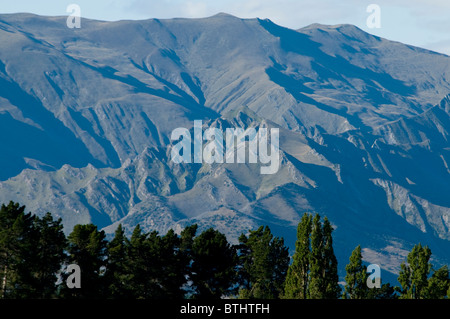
(86, 117)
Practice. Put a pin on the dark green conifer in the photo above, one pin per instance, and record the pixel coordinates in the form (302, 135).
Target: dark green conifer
(214, 261)
(438, 284)
(297, 278)
(264, 260)
(313, 273)
(413, 276)
(117, 269)
(87, 249)
(356, 277)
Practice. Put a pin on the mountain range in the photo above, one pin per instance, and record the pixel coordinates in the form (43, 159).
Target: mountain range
(86, 117)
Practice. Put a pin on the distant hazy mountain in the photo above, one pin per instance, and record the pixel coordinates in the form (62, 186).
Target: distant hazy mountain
(86, 116)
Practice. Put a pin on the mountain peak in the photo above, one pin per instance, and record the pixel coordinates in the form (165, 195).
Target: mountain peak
(343, 28)
(223, 14)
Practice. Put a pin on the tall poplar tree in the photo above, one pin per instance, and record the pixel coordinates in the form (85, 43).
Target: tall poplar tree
(356, 277)
(316, 277)
(297, 278)
(413, 276)
(331, 289)
(313, 272)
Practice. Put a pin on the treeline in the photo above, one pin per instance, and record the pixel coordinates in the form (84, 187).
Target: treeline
(35, 256)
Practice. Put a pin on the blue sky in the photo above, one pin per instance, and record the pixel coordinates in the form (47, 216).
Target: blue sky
(417, 22)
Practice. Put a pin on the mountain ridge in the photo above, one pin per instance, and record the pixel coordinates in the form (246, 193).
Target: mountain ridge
(86, 116)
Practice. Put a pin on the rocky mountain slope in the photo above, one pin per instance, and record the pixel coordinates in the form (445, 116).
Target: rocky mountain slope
(86, 117)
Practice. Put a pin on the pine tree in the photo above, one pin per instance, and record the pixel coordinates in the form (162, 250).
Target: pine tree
(413, 276)
(213, 266)
(48, 254)
(356, 277)
(187, 241)
(155, 268)
(117, 273)
(31, 253)
(438, 284)
(280, 264)
(140, 265)
(264, 260)
(16, 233)
(174, 266)
(297, 278)
(87, 248)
